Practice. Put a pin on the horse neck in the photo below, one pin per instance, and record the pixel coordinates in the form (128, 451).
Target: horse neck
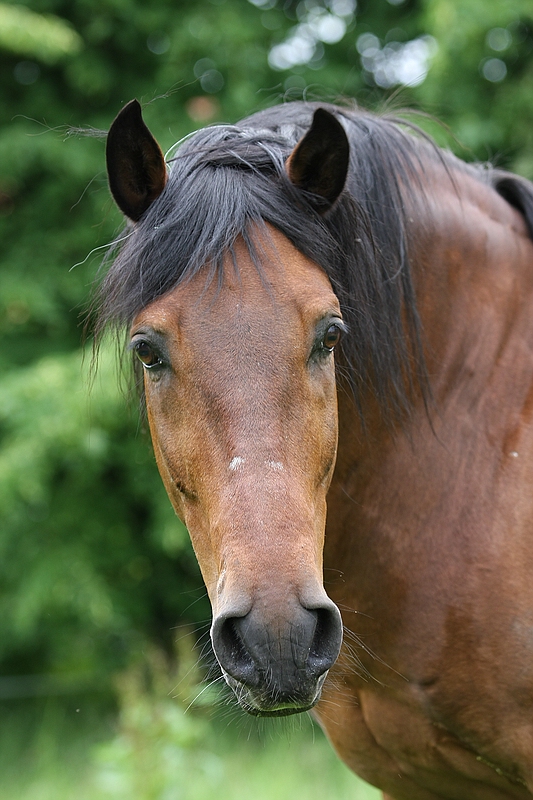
(472, 269)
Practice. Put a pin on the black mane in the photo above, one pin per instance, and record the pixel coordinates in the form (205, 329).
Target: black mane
(225, 180)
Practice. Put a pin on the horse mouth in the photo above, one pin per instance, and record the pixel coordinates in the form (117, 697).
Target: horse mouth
(259, 703)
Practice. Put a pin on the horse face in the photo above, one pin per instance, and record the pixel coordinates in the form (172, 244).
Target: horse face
(241, 399)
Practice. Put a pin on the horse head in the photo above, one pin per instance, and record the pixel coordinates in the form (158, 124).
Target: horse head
(240, 387)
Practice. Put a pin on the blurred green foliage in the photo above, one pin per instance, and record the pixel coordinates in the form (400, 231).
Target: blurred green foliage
(89, 540)
(165, 744)
(41, 36)
(94, 566)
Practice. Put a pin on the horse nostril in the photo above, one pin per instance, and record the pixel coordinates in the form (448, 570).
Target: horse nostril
(327, 640)
(230, 649)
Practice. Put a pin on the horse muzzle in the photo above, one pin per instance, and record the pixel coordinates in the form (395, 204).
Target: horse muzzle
(277, 665)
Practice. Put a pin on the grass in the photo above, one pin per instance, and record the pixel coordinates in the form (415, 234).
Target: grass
(156, 748)
(288, 767)
(59, 764)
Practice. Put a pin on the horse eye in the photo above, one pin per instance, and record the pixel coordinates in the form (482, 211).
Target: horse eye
(331, 338)
(147, 355)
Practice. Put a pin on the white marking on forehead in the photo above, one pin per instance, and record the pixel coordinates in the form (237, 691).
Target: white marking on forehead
(277, 465)
(236, 462)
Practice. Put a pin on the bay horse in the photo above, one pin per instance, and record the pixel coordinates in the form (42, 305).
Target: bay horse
(326, 306)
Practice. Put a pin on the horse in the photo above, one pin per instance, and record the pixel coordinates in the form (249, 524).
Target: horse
(333, 320)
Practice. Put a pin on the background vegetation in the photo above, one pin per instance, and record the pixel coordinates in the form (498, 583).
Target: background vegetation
(96, 573)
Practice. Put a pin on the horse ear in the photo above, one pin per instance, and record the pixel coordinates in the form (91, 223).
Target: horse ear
(135, 164)
(319, 162)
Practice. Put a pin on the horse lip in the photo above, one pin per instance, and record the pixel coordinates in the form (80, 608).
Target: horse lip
(284, 711)
(259, 704)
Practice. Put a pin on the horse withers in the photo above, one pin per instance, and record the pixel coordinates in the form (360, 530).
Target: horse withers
(325, 304)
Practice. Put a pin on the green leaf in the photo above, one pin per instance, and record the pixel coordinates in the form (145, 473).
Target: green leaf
(44, 37)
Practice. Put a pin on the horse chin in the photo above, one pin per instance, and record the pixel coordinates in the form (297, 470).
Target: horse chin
(262, 704)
